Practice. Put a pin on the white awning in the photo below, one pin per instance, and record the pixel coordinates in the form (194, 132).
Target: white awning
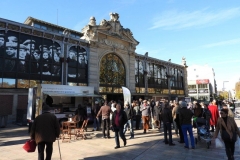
(70, 94)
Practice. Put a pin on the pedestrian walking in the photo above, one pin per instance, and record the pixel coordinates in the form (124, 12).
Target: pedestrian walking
(130, 114)
(229, 132)
(119, 118)
(44, 131)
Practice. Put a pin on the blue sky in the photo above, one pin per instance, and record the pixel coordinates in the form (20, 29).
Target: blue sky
(203, 31)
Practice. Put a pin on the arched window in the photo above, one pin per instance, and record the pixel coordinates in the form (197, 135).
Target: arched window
(112, 71)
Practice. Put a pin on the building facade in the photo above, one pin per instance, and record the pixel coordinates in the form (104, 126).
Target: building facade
(201, 82)
(101, 55)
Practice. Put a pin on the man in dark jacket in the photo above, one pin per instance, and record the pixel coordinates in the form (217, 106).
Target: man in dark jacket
(119, 118)
(44, 131)
(105, 111)
(185, 118)
(167, 121)
(96, 122)
(129, 112)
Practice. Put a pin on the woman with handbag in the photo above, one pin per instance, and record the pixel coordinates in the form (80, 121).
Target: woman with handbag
(229, 131)
(119, 118)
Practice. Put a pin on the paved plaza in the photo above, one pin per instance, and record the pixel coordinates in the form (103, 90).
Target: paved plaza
(148, 146)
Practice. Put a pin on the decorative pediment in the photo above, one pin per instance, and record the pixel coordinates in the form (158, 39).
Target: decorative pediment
(111, 28)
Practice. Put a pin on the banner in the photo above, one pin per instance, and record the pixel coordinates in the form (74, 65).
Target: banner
(126, 95)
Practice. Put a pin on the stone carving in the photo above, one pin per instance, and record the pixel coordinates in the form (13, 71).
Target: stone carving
(111, 28)
(113, 44)
(114, 17)
(184, 61)
(92, 21)
(66, 32)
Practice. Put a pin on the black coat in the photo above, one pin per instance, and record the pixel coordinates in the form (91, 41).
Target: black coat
(122, 118)
(129, 112)
(167, 115)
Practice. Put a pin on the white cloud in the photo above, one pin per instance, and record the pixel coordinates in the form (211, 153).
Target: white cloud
(223, 43)
(172, 20)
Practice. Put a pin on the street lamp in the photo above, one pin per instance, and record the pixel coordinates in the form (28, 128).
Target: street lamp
(223, 85)
(224, 88)
(169, 76)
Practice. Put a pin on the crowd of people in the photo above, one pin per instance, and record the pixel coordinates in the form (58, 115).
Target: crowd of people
(161, 115)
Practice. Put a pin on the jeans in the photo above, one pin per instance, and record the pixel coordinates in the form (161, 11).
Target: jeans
(106, 125)
(49, 149)
(119, 131)
(96, 123)
(188, 128)
(230, 148)
(130, 125)
(167, 129)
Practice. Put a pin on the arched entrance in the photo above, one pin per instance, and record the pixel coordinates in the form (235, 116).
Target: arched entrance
(112, 77)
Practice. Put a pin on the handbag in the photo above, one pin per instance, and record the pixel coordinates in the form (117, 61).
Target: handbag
(30, 146)
(218, 143)
(113, 128)
(201, 120)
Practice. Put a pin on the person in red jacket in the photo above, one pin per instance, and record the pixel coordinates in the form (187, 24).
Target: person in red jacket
(213, 108)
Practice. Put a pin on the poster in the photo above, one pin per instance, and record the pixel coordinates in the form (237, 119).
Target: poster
(126, 95)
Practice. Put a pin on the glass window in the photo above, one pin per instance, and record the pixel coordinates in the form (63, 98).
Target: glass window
(112, 71)
(37, 25)
(34, 83)
(44, 27)
(8, 83)
(23, 83)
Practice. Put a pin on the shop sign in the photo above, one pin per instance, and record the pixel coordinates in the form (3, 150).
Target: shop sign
(192, 91)
(203, 91)
(202, 81)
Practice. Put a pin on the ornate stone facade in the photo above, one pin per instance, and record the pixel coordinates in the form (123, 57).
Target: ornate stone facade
(110, 37)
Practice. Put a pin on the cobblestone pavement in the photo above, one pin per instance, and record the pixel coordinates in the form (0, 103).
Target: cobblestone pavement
(148, 146)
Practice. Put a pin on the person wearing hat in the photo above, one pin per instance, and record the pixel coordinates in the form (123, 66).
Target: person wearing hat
(22, 65)
(185, 120)
(13, 39)
(30, 44)
(43, 48)
(11, 50)
(96, 121)
(72, 63)
(44, 131)
(229, 132)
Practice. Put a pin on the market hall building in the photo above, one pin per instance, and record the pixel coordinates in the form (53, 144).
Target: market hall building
(101, 55)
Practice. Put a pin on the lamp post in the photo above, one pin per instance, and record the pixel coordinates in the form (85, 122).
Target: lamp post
(224, 88)
(169, 76)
